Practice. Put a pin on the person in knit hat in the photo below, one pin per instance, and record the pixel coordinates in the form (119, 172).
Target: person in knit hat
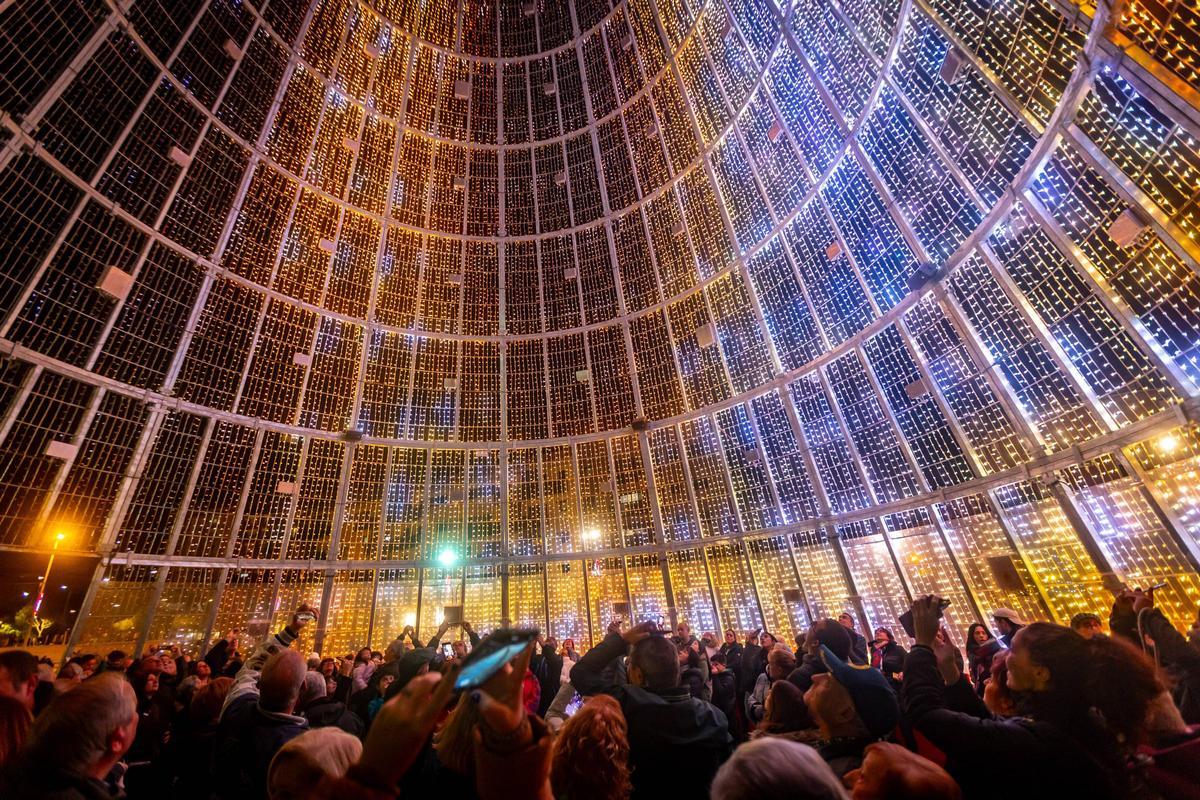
(299, 766)
(853, 706)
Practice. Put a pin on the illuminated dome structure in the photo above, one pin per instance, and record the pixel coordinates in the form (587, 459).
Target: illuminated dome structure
(704, 310)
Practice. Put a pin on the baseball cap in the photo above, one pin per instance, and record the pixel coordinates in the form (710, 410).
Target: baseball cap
(1010, 615)
(873, 697)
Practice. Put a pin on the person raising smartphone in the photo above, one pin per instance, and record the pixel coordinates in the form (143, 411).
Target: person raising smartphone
(1082, 706)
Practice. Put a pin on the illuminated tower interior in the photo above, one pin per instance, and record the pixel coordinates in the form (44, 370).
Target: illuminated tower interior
(719, 311)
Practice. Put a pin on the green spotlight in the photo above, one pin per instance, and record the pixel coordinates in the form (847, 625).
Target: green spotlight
(447, 558)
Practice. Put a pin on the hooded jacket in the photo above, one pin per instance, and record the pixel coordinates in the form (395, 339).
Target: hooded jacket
(676, 742)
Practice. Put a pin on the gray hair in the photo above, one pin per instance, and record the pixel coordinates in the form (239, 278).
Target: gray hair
(771, 768)
(73, 732)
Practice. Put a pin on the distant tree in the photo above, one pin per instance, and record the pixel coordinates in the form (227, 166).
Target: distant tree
(22, 618)
(39, 626)
(26, 623)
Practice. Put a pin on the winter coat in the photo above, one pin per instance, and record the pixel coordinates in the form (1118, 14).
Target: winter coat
(953, 719)
(248, 737)
(756, 701)
(1174, 765)
(754, 663)
(724, 694)
(361, 675)
(889, 660)
(31, 784)
(189, 758)
(154, 720)
(548, 668)
(858, 647)
(218, 657)
(532, 689)
(676, 742)
(733, 660)
(328, 712)
(979, 659)
(809, 665)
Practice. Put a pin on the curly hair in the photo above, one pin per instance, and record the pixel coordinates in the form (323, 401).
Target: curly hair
(591, 755)
(1109, 675)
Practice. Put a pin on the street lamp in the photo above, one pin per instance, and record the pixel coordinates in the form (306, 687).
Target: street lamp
(37, 604)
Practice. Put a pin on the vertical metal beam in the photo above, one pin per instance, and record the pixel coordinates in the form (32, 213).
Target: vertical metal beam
(826, 510)
(176, 529)
(690, 486)
(656, 517)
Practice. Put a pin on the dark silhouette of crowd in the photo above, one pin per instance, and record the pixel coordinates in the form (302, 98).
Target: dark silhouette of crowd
(1031, 709)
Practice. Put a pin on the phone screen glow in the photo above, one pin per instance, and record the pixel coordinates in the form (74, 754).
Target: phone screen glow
(477, 672)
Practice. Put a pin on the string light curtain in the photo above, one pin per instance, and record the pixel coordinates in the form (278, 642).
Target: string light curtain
(731, 312)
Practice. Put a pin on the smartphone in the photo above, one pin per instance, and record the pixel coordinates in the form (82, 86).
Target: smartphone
(906, 620)
(305, 617)
(491, 655)
(573, 706)
(448, 650)
(1156, 587)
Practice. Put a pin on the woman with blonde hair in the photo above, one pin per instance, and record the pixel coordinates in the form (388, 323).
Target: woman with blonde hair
(591, 755)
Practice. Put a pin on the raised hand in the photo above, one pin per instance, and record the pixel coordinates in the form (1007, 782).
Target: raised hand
(303, 616)
(1142, 599)
(639, 632)
(946, 654)
(926, 619)
(501, 700)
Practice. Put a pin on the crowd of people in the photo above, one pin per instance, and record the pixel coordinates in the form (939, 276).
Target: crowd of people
(1032, 708)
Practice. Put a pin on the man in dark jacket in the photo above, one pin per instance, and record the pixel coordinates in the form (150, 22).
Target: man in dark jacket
(724, 692)
(732, 650)
(436, 641)
(75, 746)
(858, 642)
(257, 718)
(547, 666)
(676, 742)
(753, 663)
